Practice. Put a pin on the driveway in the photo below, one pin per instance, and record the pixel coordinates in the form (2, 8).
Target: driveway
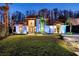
(71, 37)
(72, 42)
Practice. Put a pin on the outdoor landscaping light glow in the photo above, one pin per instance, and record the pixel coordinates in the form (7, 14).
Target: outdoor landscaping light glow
(42, 25)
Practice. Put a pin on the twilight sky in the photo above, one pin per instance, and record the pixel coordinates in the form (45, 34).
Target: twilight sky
(37, 6)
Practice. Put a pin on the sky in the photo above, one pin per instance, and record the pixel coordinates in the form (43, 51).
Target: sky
(22, 7)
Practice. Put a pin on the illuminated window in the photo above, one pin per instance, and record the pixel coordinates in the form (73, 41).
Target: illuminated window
(20, 28)
(31, 23)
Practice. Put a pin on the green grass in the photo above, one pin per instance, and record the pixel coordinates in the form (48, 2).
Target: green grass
(18, 45)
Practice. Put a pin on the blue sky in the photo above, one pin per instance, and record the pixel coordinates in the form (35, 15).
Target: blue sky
(37, 6)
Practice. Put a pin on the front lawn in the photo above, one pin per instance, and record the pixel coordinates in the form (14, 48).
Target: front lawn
(18, 45)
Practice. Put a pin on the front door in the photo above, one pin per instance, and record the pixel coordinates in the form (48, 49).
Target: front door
(31, 26)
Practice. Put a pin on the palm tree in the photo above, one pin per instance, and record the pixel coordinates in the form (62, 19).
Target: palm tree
(71, 16)
(5, 14)
(68, 22)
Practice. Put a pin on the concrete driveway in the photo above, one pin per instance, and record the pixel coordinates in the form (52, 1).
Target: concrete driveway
(73, 40)
(71, 37)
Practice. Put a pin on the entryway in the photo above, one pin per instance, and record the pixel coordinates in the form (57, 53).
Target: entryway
(31, 26)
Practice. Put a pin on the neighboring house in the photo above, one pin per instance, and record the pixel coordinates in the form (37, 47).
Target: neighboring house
(74, 25)
(74, 21)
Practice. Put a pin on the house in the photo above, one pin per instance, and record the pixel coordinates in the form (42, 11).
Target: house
(74, 21)
(74, 25)
(33, 24)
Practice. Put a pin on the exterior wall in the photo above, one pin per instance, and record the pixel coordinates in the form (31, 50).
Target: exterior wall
(75, 21)
(37, 25)
(47, 29)
(21, 29)
(50, 29)
(53, 29)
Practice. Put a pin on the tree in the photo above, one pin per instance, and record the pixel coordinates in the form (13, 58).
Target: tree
(5, 15)
(66, 13)
(1, 19)
(76, 14)
(44, 13)
(71, 15)
(56, 13)
(17, 17)
(68, 22)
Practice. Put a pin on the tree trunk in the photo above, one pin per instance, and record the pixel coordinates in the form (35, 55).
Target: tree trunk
(70, 27)
(6, 22)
